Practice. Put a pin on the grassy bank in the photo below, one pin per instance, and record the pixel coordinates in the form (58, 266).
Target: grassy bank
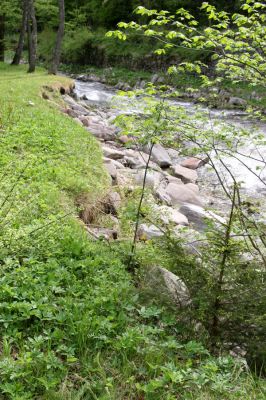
(72, 322)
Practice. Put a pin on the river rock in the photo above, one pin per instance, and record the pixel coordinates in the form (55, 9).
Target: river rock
(148, 232)
(237, 101)
(113, 153)
(111, 169)
(72, 113)
(116, 164)
(84, 121)
(153, 178)
(193, 163)
(101, 132)
(198, 216)
(172, 179)
(104, 233)
(168, 286)
(179, 194)
(113, 203)
(124, 139)
(69, 100)
(193, 187)
(185, 174)
(174, 155)
(154, 78)
(170, 215)
(160, 156)
(137, 160)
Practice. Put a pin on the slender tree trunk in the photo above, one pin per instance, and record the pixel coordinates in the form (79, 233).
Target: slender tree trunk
(32, 35)
(23, 30)
(2, 37)
(59, 38)
(215, 323)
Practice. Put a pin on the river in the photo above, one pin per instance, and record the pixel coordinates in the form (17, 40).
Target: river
(243, 166)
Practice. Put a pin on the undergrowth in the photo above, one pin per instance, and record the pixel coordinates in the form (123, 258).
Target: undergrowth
(73, 324)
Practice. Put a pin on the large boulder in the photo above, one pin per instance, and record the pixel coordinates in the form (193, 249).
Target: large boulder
(185, 174)
(199, 217)
(167, 286)
(180, 194)
(159, 155)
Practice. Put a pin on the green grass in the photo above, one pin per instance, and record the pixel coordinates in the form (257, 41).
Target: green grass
(72, 323)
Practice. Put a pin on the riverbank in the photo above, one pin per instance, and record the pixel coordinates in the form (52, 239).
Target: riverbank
(74, 321)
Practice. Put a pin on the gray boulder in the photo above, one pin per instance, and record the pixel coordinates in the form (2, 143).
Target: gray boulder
(237, 101)
(148, 232)
(160, 156)
(168, 286)
(199, 217)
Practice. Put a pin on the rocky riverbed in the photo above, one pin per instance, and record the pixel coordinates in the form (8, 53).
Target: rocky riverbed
(185, 191)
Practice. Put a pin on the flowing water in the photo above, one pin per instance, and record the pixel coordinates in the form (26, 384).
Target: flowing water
(244, 166)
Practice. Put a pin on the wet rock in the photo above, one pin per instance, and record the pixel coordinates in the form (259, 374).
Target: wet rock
(185, 174)
(180, 194)
(148, 232)
(194, 163)
(168, 286)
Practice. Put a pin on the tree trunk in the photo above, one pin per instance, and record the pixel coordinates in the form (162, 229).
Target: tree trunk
(23, 29)
(2, 37)
(59, 38)
(32, 36)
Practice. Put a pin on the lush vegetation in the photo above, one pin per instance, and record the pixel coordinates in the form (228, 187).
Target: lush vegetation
(72, 323)
(80, 318)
